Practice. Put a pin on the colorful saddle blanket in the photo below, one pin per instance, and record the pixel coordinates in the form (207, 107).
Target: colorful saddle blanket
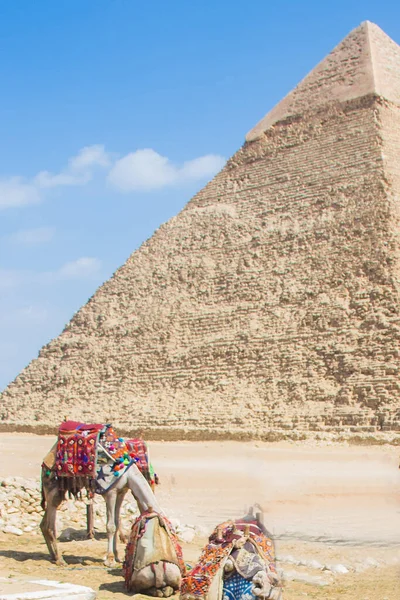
(237, 588)
(222, 543)
(155, 548)
(94, 451)
(76, 452)
(138, 450)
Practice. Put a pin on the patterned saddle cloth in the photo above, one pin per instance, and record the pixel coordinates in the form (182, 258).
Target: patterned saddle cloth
(94, 451)
(159, 543)
(229, 539)
(76, 451)
(237, 588)
(139, 451)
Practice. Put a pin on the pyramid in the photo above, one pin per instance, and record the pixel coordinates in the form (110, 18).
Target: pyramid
(271, 301)
(366, 62)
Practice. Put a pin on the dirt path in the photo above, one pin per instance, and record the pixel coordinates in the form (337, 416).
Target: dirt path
(330, 507)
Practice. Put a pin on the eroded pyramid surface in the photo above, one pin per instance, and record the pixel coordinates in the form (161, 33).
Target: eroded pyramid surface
(272, 300)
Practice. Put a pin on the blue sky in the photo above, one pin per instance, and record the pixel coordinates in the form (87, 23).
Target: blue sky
(113, 113)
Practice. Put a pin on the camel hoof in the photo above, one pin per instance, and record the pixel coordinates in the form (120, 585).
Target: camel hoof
(155, 592)
(110, 561)
(168, 591)
(60, 562)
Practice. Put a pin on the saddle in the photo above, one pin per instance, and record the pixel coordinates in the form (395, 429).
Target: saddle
(138, 450)
(77, 427)
(155, 531)
(228, 539)
(76, 452)
(83, 449)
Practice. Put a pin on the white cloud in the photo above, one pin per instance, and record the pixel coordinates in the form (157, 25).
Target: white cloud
(79, 170)
(45, 179)
(148, 170)
(80, 268)
(90, 156)
(39, 235)
(204, 166)
(143, 169)
(15, 192)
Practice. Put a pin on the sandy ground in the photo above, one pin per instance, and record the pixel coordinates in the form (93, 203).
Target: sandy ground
(328, 506)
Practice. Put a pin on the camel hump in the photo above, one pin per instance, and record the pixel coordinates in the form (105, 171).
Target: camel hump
(50, 459)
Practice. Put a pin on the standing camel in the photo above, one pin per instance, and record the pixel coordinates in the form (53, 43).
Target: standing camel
(53, 496)
(93, 457)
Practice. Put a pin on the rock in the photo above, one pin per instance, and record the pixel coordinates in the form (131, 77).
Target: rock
(312, 564)
(288, 559)
(340, 569)
(23, 495)
(187, 535)
(12, 529)
(305, 578)
(202, 531)
(130, 508)
(176, 524)
(47, 589)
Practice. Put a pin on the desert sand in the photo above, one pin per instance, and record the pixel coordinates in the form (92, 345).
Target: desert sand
(333, 510)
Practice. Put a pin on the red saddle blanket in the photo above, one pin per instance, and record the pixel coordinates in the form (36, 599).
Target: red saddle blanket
(77, 445)
(76, 452)
(137, 449)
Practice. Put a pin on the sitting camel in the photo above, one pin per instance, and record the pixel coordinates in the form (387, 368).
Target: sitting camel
(153, 559)
(124, 476)
(236, 564)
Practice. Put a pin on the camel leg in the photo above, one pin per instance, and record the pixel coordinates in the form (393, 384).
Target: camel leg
(118, 504)
(111, 498)
(89, 521)
(54, 497)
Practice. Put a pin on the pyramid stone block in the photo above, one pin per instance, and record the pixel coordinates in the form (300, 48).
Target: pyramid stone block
(271, 301)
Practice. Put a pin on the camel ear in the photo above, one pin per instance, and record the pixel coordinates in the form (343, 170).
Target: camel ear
(260, 517)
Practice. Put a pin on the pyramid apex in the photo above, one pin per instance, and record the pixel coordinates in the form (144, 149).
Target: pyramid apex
(366, 61)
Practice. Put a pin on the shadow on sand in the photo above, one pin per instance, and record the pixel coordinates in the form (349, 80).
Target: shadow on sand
(78, 535)
(21, 556)
(117, 587)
